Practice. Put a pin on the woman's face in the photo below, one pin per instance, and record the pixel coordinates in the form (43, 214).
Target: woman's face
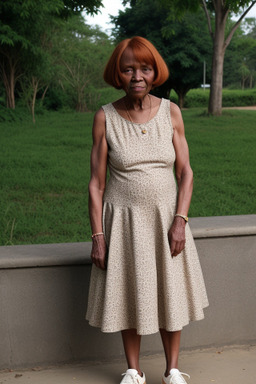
(137, 77)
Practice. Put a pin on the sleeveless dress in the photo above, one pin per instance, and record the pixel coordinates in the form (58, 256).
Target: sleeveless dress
(144, 287)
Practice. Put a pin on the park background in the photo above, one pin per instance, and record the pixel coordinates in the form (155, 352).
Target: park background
(56, 61)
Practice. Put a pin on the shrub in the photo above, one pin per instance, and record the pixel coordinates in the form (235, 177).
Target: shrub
(13, 115)
(107, 95)
(238, 98)
(230, 98)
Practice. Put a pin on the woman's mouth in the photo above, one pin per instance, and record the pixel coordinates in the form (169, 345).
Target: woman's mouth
(137, 88)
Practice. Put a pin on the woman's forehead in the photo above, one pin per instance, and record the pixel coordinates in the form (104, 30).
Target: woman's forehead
(134, 55)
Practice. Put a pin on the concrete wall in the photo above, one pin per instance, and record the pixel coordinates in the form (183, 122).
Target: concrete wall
(44, 288)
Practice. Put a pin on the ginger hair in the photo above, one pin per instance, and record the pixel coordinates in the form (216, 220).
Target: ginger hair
(144, 51)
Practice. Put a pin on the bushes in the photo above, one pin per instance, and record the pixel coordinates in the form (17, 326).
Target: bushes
(197, 98)
(239, 98)
(107, 95)
(95, 98)
(13, 115)
(230, 98)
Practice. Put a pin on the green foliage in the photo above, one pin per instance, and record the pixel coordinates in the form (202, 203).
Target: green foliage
(106, 95)
(235, 6)
(76, 6)
(231, 98)
(45, 172)
(184, 44)
(22, 22)
(240, 60)
(80, 53)
(27, 29)
(13, 115)
(196, 98)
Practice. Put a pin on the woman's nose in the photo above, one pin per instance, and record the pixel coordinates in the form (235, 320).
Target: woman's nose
(137, 74)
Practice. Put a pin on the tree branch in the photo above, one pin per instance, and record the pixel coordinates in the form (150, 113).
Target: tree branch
(208, 18)
(214, 4)
(236, 25)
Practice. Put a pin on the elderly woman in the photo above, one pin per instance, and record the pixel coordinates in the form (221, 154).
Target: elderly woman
(146, 276)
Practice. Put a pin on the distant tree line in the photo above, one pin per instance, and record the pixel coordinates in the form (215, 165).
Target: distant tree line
(49, 55)
(47, 49)
(217, 24)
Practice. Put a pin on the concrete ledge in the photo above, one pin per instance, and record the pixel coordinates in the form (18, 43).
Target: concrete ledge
(44, 255)
(44, 290)
(223, 226)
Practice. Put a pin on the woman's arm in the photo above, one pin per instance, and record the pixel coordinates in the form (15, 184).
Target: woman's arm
(184, 177)
(97, 187)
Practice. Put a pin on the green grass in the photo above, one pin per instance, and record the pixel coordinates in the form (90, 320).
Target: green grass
(45, 173)
(44, 178)
(222, 152)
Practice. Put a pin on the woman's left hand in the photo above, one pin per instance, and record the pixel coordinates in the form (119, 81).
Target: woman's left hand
(176, 236)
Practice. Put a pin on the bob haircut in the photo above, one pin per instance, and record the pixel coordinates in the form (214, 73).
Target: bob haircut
(144, 51)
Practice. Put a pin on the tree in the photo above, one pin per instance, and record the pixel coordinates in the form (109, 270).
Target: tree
(240, 58)
(80, 52)
(221, 39)
(183, 44)
(22, 26)
(217, 12)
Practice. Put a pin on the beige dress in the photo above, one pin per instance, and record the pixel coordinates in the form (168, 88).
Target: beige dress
(144, 287)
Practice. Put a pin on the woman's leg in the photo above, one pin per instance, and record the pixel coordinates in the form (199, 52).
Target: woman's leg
(131, 342)
(171, 344)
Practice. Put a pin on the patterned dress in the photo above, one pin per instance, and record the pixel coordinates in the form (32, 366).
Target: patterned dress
(144, 287)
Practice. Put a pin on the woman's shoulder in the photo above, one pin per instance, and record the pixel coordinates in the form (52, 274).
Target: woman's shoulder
(176, 117)
(100, 115)
(175, 110)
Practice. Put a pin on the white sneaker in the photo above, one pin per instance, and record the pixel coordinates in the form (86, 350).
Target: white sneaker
(175, 377)
(131, 376)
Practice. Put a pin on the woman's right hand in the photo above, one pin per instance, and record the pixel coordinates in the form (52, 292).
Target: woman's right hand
(99, 251)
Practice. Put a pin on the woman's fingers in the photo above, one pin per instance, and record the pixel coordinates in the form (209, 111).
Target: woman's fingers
(99, 260)
(98, 254)
(176, 247)
(176, 236)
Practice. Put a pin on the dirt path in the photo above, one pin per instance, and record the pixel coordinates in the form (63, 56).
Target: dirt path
(250, 108)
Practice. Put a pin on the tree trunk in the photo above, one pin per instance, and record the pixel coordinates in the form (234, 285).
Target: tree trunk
(9, 85)
(181, 97)
(220, 43)
(9, 76)
(243, 81)
(35, 83)
(44, 93)
(215, 100)
(250, 81)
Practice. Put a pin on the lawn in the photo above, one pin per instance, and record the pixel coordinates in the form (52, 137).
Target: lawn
(45, 172)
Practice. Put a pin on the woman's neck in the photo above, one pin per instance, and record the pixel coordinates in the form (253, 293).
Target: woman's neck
(137, 104)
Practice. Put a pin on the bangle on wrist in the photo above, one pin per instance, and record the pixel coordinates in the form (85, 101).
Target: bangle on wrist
(183, 217)
(97, 234)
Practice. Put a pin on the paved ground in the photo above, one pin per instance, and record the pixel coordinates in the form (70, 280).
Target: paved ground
(229, 365)
(249, 108)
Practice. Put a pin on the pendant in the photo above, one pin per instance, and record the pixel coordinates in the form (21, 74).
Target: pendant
(144, 131)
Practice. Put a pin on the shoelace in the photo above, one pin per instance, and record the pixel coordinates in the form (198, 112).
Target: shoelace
(178, 379)
(129, 379)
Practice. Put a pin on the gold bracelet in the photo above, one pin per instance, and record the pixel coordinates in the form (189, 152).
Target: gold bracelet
(97, 234)
(183, 217)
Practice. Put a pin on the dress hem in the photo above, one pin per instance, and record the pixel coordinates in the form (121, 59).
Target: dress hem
(104, 330)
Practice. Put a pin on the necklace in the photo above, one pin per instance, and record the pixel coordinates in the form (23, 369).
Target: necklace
(143, 131)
